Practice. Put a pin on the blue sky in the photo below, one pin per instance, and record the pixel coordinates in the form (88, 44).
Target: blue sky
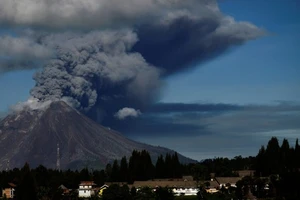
(265, 71)
(261, 78)
(16, 86)
(260, 72)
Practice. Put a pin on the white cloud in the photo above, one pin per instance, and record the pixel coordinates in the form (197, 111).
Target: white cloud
(127, 112)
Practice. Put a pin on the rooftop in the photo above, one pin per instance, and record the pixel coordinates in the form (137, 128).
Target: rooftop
(165, 183)
(86, 183)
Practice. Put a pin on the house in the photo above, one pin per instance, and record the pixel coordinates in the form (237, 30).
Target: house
(86, 189)
(212, 186)
(211, 190)
(115, 183)
(225, 181)
(102, 188)
(64, 189)
(184, 186)
(9, 191)
(185, 191)
(174, 183)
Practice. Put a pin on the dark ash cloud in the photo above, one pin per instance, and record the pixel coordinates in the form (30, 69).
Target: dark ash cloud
(158, 126)
(191, 107)
(22, 53)
(102, 56)
(169, 119)
(95, 68)
(91, 14)
(206, 134)
(186, 41)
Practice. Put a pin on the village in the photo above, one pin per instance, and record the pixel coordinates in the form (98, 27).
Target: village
(185, 186)
(266, 176)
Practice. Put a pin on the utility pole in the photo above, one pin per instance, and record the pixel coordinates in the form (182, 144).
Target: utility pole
(7, 165)
(57, 158)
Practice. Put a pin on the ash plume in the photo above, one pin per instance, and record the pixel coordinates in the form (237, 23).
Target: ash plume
(93, 14)
(95, 67)
(102, 56)
(16, 55)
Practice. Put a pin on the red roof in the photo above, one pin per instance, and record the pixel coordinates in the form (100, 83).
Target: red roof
(84, 183)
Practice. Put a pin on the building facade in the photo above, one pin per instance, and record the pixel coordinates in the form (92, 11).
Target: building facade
(86, 189)
(9, 191)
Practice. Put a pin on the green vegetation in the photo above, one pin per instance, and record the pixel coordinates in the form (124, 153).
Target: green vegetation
(116, 192)
(276, 168)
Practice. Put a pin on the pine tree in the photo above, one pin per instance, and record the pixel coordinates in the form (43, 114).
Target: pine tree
(168, 166)
(260, 165)
(26, 189)
(273, 156)
(134, 166)
(140, 165)
(176, 166)
(285, 153)
(160, 167)
(297, 155)
(115, 171)
(99, 177)
(124, 170)
(84, 174)
(108, 170)
(148, 168)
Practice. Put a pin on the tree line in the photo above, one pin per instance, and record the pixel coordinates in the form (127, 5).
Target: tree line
(277, 172)
(278, 163)
(41, 182)
(140, 168)
(276, 159)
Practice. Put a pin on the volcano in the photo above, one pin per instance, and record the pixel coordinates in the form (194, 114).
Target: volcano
(60, 136)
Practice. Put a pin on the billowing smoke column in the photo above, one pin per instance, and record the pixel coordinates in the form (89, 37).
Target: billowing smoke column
(118, 51)
(96, 68)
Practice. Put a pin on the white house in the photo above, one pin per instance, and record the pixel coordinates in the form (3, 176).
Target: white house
(185, 191)
(86, 189)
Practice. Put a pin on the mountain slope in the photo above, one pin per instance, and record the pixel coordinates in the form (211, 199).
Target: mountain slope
(32, 136)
